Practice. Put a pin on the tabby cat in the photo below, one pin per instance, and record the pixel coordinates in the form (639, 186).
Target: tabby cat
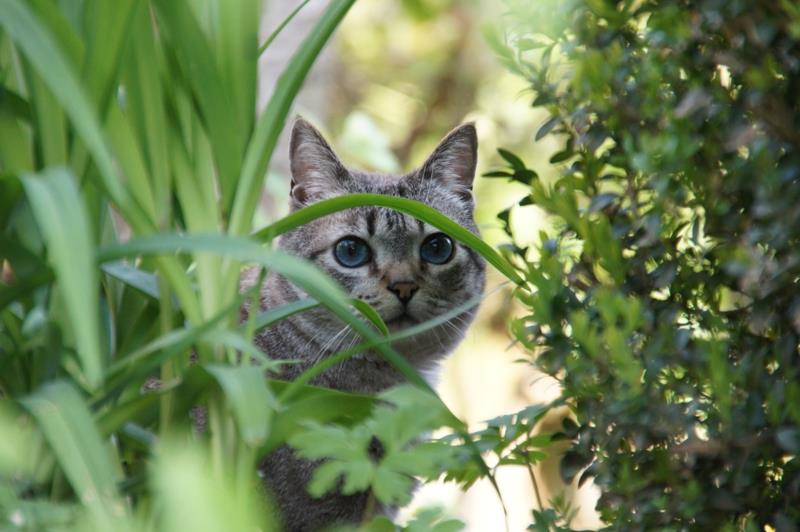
(406, 269)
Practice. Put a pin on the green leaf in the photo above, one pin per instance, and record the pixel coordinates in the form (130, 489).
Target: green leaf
(281, 26)
(515, 162)
(271, 123)
(106, 26)
(69, 429)
(311, 279)
(143, 409)
(144, 102)
(414, 208)
(237, 25)
(274, 315)
(371, 314)
(188, 494)
(47, 59)
(16, 153)
(250, 400)
(314, 404)
(61, 217)
(547, 127)
(144, 282)
(561, 156)
(195, 55)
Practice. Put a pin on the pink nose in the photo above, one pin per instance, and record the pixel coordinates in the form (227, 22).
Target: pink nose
(404, 290)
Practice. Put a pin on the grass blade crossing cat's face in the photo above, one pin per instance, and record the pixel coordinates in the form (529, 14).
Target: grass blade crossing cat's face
(407, 270)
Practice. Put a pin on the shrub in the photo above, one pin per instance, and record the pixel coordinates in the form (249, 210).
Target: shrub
(665, 297)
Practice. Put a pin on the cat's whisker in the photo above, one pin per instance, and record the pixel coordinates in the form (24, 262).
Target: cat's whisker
(324, 348)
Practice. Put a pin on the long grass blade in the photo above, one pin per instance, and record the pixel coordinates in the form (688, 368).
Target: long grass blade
(316, 283)
(47, 59)
(61, 217)
(414, 208)
(106, 25)
(69, 429)
(248, 397)
(271, 122)
(237, 55)
(277, 31)
(195, 56)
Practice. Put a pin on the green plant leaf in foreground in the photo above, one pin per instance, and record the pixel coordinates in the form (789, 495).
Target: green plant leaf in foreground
(40, 49)
(248, 396)
(415, 208)
(68, 427)
(61, 218)
(271, 123)
(396, 426)
(305, 275)
(191, 496)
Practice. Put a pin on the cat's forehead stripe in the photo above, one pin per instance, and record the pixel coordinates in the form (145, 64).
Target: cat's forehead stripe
(371, 222)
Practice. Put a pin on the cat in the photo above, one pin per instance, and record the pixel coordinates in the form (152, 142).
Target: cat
(406, 269)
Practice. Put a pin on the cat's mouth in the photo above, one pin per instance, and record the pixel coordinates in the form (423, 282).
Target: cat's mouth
(401, 321)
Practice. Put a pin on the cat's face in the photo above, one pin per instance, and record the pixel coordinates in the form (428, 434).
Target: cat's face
(407, 270)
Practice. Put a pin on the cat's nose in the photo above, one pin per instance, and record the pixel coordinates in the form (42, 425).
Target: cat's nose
(404, 290)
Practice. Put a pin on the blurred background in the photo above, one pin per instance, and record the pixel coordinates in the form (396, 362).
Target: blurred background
(397, 77)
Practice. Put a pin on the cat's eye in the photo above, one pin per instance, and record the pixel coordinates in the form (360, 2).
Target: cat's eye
(438, 248)
(352, 252)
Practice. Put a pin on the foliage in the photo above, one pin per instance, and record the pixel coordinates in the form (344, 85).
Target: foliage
(665, 297)
(381, 453)
(131, 163)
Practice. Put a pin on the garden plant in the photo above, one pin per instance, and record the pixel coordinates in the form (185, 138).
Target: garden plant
(664, 297)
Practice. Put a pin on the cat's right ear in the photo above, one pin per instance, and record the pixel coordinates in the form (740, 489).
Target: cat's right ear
(316, 171)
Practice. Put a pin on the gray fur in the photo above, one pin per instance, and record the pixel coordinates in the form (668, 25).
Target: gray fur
(443, 182)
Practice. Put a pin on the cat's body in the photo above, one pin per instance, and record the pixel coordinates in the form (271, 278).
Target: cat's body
(392, 261)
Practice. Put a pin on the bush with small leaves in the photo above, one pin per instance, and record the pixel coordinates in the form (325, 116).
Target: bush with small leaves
(666, 296)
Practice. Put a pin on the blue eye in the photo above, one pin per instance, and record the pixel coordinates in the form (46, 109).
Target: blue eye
(437, 249)
(352, 252)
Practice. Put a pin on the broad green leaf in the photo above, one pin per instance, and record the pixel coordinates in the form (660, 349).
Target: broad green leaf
(50, 125)
(64, 31)
(191, 495)
(68, 427)
(17, 444)
(314, 404)
(61, 217)
(130, 158)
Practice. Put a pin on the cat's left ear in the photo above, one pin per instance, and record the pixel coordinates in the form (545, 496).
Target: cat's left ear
(316, 171)
(454, 159)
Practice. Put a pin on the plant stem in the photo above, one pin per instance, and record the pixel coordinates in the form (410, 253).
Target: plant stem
(535, 486)
(168, 367)
(369, 509)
